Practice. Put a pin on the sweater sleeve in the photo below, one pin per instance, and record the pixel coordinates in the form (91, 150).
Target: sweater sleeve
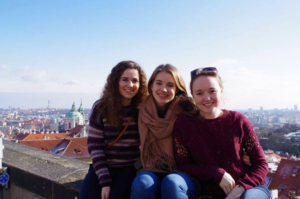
(258, 170)
(96, 147)
(184, 160)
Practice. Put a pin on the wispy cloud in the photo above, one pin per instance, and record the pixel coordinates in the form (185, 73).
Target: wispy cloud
(26, 68)
(4, 67)
(20, 70)
(36, 77)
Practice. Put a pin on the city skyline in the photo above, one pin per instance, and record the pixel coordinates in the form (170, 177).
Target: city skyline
(63, 51)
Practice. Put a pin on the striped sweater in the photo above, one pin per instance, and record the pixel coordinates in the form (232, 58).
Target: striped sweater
(123, 153)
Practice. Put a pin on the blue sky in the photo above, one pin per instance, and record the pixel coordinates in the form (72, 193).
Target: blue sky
(63, 50)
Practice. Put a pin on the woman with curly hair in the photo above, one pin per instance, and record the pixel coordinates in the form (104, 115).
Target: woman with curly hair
(112, 170)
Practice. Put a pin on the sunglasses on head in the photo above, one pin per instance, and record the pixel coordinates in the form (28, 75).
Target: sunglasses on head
(199, 70)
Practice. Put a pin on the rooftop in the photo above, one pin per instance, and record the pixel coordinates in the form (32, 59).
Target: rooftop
(286, 179)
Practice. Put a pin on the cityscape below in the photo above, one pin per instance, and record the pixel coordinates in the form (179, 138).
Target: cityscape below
(64, 132)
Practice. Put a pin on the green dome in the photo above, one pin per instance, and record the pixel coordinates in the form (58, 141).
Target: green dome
(73, 114)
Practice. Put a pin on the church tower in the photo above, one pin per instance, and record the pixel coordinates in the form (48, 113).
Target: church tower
(73, 118)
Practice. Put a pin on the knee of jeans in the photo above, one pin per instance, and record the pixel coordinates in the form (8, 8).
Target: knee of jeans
(174, 182)
(260, 192)
(145, 180)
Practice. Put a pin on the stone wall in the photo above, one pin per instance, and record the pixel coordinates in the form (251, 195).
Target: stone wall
(37, 174)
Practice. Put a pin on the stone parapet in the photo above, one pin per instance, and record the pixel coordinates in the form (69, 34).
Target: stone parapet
(37, 174)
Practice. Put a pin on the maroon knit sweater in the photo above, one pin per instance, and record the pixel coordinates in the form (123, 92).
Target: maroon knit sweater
(206, 149)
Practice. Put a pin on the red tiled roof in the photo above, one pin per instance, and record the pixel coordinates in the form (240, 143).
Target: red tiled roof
(75, 130)
(75, 148)
(5, 132)
(82, 140)
(46, 145)
(287, 178)
(21, 136)
(51, 136)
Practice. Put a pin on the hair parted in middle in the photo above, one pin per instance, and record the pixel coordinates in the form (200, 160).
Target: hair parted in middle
(208, 74)
(174, 72)
(187, 104)
(110, 105)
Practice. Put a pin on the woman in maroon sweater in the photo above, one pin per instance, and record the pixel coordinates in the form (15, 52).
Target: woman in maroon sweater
(210, 147)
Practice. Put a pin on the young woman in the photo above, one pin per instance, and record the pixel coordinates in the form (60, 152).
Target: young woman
(112, 172)
(167, 99)
(210, 148)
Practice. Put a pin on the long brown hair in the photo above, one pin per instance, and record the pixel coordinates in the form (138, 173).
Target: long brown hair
(187, 104)
(110, 105)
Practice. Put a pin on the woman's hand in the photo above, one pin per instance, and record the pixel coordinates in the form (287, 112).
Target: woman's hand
(236, 193)
(227, 183)
(105, 192)
(246, 159)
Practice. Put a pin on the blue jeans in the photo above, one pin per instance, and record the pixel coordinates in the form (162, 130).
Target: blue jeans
(259, 192)
(148, 185)
(122, 178)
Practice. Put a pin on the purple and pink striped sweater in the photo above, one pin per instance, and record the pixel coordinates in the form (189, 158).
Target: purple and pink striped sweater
(123, 153)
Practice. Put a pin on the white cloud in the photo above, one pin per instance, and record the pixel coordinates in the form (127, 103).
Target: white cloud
(248, 88)
(25, 68)
(4, 67)
(40, 76)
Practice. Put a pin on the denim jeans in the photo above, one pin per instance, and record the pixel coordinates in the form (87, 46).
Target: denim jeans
(122, 178)
(148, 185)
(259, 192)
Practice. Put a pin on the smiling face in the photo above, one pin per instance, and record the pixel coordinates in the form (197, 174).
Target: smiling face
(207, 93)
(129, 85)
(163, 88)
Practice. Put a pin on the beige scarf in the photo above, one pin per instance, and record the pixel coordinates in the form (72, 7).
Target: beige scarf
(156, 135)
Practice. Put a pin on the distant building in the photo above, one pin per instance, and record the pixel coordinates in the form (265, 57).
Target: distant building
(277, 119)
(49, 105)
(73, 118)
(54, 126)
(81, 110)
(286, 179)
(78, 131)
(16, 124)
(295, 107)
(2, 123)
(75, 148)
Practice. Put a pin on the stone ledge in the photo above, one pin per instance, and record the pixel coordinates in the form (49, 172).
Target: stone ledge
(42, 173)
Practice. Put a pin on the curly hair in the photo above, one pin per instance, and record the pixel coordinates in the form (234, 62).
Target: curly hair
(110, 105)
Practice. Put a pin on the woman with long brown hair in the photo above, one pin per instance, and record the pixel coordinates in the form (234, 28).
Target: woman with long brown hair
(168, 98)
(113, 140)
